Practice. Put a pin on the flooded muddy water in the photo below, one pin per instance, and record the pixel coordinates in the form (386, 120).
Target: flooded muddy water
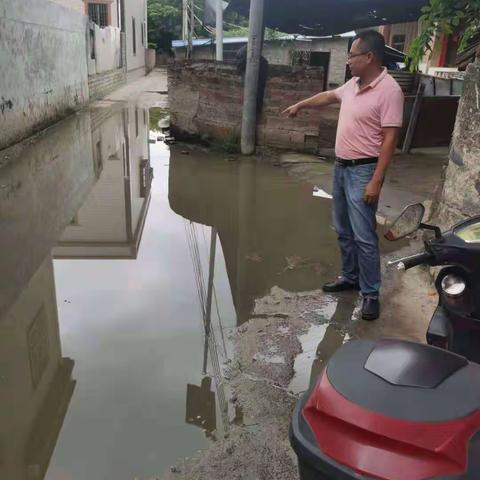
(125, 266)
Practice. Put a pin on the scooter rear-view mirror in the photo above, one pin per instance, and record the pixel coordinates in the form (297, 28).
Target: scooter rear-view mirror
(407, 222)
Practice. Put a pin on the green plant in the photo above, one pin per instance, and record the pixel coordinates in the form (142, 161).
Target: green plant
(460, 17)
(236, 32)
(229, 144)
(164, 22)
(271, 34)
(156, 114)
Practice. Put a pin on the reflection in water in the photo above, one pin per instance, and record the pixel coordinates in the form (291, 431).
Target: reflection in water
(35, 379)
(335, 335)
(201, 407)
(110, 222)
(322, 340)
(201, 399)
(264, 219)
(84, 160)
(83, 193)
(44, 181)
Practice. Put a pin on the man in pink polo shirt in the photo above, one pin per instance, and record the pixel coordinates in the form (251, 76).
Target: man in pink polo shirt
(371, 115)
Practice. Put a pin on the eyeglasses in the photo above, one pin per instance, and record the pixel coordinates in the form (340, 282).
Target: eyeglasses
(350, 56)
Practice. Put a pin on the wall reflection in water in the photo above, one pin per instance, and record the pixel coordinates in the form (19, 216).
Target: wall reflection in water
(271, 229)
(35, 379)
(84, 185)
(110, 222)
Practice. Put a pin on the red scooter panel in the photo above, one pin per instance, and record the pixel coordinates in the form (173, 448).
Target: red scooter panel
(383, 447)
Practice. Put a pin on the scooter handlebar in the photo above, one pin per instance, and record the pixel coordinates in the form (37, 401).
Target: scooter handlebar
(412, 261)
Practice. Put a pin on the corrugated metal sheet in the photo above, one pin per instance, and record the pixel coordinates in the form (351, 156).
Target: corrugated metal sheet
(326, 17)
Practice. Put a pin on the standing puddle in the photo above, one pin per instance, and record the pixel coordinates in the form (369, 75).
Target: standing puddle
(321, 341)
(125, 267)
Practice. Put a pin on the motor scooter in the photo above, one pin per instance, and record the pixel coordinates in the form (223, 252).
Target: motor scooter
(400, 410)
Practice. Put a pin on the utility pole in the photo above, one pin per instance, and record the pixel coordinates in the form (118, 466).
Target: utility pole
(254, 52)
(188, 25)
(184, 20)
(191, 30)
(219, 30)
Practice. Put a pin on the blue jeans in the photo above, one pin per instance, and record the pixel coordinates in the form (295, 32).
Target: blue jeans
(356, 224)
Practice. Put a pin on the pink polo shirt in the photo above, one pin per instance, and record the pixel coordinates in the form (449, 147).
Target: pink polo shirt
(363, 114)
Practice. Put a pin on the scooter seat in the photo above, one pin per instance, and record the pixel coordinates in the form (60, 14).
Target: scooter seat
(406, 380)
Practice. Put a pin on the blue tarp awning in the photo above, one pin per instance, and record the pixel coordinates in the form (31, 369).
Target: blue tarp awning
(329, 17)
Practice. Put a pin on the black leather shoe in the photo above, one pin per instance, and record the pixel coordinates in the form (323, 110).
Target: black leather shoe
(370, 308)
(340, 285)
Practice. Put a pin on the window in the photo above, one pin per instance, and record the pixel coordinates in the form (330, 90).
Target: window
(143, 34)
(134, 36)
(98, 13)
(398, 42)
(136, 122)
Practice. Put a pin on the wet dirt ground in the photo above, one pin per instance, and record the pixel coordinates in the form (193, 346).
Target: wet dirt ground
(160, 307)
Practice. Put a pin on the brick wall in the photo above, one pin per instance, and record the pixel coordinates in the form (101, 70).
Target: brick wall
(102, 84)
(206, 99)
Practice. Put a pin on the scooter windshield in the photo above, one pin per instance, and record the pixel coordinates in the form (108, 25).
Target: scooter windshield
(469, 233)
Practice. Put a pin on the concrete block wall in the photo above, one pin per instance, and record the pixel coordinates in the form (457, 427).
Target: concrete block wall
(206, 99)
(102, 84)
(45, 75)
(281, 52)
(338, 49)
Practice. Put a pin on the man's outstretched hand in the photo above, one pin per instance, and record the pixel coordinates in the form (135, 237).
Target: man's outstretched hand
(291, 112)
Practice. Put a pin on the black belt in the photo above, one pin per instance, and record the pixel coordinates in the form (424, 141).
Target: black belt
(356, 162)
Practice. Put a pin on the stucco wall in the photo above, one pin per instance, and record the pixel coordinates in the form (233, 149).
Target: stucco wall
(135, 9)
(107, 49)
(461, 192)
(77, 5)
(44, 67)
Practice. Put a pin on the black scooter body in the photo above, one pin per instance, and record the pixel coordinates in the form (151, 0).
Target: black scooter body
(395, 397)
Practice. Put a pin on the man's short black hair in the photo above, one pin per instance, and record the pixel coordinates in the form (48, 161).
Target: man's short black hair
(372, 41)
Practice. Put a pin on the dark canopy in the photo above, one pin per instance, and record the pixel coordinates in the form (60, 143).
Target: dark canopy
(329, 17)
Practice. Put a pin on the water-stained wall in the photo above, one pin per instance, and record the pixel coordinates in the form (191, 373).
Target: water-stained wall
(206, 99)
(43, 55)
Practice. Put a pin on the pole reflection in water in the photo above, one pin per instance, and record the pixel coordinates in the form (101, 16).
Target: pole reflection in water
(201, 408)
